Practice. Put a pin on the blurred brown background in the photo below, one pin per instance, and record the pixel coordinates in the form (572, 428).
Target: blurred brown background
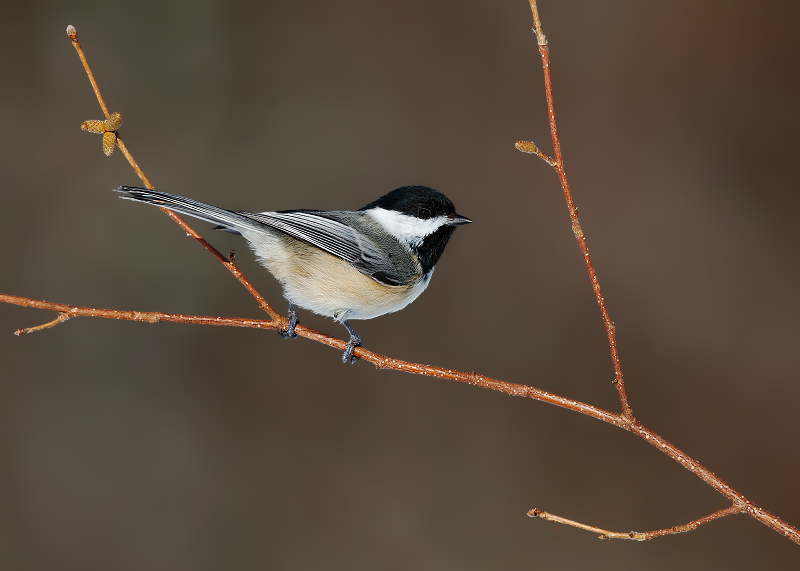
(132, 446)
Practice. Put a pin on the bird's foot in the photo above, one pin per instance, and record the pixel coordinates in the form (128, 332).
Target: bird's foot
(293, 321)
(355, 341)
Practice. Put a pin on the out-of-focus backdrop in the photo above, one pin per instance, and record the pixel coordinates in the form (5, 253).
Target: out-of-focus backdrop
(133, 446)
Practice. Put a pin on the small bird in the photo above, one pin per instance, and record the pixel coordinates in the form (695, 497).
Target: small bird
(342, 264)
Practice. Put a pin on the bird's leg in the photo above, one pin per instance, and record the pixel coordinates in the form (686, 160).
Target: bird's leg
(355, 341)
(293, 320)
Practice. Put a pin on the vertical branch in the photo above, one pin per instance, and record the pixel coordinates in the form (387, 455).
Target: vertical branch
(558, 164)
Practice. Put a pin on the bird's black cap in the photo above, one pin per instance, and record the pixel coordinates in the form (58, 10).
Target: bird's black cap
(417, 201)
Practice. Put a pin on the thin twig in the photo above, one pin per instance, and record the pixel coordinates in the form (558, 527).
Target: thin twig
(232, 267)
(73, 35)
(637, 536)
(61, 317)
(573, 214)
(69, 311)
(537, 24)
(228, 263)
(135, 165)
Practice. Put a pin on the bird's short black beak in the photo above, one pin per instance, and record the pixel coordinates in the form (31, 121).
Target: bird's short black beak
(456, 220)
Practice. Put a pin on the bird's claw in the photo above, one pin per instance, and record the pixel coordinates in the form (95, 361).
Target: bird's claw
(293, 320)
(354, 342)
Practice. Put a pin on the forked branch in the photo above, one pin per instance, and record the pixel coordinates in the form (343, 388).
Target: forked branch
(228, 263)
(558, 164)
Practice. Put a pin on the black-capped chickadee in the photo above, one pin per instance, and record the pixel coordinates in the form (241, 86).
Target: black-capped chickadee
(342, 264)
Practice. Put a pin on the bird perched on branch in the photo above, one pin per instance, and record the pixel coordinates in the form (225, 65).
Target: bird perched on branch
(342, 264)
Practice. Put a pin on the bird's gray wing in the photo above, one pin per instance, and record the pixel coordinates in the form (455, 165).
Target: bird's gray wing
(390, 264)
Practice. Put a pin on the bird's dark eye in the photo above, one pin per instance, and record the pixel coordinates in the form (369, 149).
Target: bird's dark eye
(423, 213)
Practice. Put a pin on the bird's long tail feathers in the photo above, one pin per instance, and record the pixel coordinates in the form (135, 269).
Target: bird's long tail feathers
(227, 220)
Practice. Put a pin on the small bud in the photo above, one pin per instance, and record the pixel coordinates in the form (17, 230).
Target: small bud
(109, 142)
(72, 33)
(94, 126)
(114, 122)
(106, 128)
(527, 147)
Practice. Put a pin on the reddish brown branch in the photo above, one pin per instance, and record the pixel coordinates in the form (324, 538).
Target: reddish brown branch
(637, 536)
(380, 361)
(135, 165)
(573, 214)
(383, 362)
(740, 502)
(228, 263)
(70, 311)
(73, 35)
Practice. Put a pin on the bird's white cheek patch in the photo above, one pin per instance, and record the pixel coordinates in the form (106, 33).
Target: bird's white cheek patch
(409, 230)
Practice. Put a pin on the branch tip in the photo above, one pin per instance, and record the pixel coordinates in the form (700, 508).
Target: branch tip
(72, 33)
(61, 317)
